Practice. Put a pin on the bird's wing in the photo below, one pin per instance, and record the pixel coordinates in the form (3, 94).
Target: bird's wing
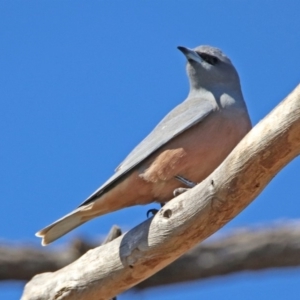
(182, 117)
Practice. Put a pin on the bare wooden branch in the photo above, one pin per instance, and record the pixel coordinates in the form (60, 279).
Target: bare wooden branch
(114, 232)
(244, 250)
(22, 263)
(240, 250)
(186, 220)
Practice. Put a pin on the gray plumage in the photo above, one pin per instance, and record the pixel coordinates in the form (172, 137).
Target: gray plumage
(214, 111)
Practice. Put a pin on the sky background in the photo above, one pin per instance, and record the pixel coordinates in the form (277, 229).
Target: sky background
(82, 82)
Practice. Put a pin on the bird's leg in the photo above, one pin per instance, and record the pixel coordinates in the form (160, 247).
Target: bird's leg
(188, 183)
(185, 181)
(154, 211)
(176, 192)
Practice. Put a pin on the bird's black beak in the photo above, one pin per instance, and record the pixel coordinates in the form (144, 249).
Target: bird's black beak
(190, 54)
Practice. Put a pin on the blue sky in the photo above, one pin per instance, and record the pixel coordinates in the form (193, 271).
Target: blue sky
(82, 82)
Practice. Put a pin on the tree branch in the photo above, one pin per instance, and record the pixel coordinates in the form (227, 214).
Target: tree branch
(22, 263)
(186, 220)
(241, 250)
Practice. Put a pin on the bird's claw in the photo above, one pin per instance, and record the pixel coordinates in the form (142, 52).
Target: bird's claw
(180, 191)
(152, 211)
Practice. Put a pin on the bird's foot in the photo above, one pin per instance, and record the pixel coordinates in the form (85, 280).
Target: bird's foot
(154, 211)
(180, 191)
(188, 183)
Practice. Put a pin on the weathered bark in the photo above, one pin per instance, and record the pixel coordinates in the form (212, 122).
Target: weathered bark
(186, 220)
(244, 250)
(241, 250)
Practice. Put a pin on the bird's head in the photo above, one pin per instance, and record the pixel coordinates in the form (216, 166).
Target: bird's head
(208, 67)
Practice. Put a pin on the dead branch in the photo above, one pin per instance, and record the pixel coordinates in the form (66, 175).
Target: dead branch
(186, 220)
(22, 263)
(241, 250)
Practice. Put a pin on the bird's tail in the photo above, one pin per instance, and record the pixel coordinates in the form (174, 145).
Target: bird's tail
(62, 226)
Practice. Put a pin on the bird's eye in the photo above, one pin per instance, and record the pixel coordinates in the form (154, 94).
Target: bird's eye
(212, 60)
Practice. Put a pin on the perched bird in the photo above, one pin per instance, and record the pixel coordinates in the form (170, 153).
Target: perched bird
(182, 150)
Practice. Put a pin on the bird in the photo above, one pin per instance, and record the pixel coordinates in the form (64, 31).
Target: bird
(186, 146)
